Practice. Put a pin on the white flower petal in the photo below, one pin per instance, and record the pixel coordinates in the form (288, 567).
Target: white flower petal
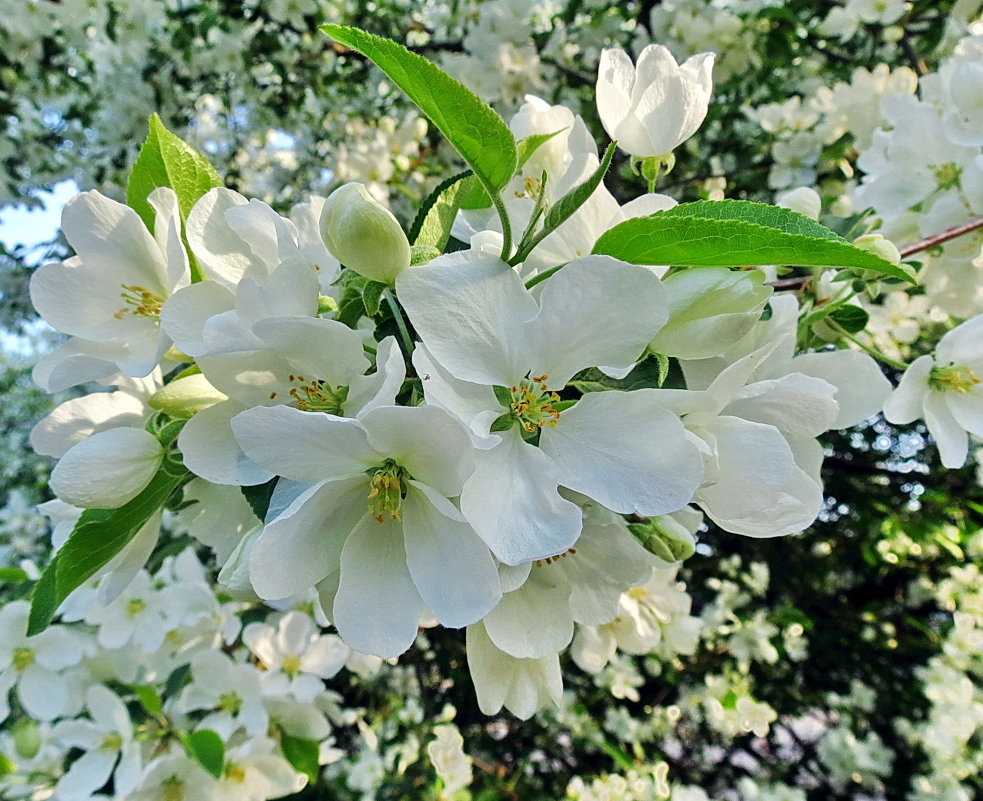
(42, 692)
(905, 404)
(211, 450)
(469, 308)
(315, 348)
(534, 621)
(325, 656)
(433, 446)
(512, 503)
(303, 545)
(624, 450)
(221, 252)
(861, 387)
(574, 331)
(366, 392)
(952, 439)
(77, 418)
(184, 314)
(86, 775)
(451, 567)
(377, 609)
(304, 446)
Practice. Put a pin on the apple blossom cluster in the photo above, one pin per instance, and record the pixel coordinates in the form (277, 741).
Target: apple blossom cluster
(447, 437)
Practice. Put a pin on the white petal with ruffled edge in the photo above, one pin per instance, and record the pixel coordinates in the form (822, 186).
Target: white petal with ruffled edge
(211, 450)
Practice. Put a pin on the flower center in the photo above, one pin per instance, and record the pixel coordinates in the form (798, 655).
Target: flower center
(947, 175)
(291, 665)
(172, 788)
(134, 607)
(23, 658)
(386, 495)
(235, 773)
(111, 743)
(532, 403)
(551, 559)
(230, 703)
(315, 395)
(532, 188)
(953, 379)
(140, 302)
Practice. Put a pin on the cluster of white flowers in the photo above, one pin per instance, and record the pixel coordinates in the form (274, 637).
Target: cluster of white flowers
(118, 691)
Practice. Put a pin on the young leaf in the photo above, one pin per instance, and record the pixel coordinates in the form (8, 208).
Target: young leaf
(736, 233)
(149, 699)
(567, 205)
(207, 749)
(372, 297)
(851, 319)
(12, 575)
(475, 130)
(167, 160)
(302, 754)
(98, 536)
(433, 222)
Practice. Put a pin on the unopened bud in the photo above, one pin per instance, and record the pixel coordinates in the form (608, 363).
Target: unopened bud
(27, 738)
(185, 397)
(879, 246)
(665, 538)
(363, 235)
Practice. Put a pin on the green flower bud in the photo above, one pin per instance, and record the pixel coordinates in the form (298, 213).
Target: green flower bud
(186, 397)
(27, 738)
(363, 235)
(665, 538)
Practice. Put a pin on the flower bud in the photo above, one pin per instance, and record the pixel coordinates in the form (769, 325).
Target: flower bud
(363, 235)
(879, 246)
(27, 738)
(186, 396)
(665, 538)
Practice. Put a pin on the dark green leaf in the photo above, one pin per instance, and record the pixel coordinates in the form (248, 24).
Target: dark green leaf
(850, 318)
(433, 222)
(503, 395)
(302, 754)
(207, 749)
(44, 602)
(503, 423)
(258, 497)
(736, 233)
(470, 125)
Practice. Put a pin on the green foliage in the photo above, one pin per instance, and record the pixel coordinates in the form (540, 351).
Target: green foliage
(433, 222)
(302, 754)
(166, 160)
(98, 536)
(207, 749)
(736, 233)
(472, 127)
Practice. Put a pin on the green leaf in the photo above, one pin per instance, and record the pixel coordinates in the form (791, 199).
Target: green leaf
(473, 195)
(6, 765)
(470, 125)
(98, 536)
(207, 749)
(433, 222)
(149, 699)
(567, 205)
(736, 233)
(503, 423)
(647, 373)
(851, 319)
(372, 297)
(167, 160)
(12, 575)
(258, 497)
(526, 147)
(503, 395)
(302, 754)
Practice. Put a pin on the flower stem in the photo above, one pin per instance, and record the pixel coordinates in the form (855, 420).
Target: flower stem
(404, 331)
(866, 348)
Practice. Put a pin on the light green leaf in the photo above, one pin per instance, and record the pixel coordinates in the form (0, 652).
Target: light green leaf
(302, 754)
(433, 222)
(98, 536)
(372, 297)
(470, 125)
(149, 699)
(207, 749)
(167, 160)
(737, 233)
(12, 575)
